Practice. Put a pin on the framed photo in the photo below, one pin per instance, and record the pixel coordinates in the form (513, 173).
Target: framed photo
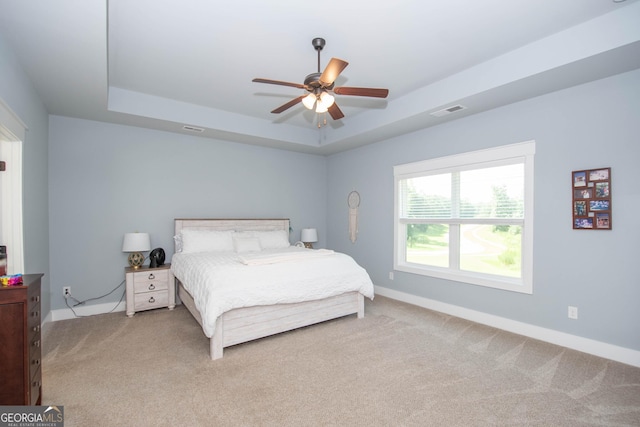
(580, 179)
(591, 199)
(580, 208)
(602, 189)
(602, 220)
(583, 223)
(599, 175)
(598, 205)
(584, 193)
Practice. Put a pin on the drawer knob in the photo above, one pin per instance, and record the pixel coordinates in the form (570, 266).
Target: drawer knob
(36, 343)
(151, 276)
(36, 362)
(36, 328)
(35, 299)
(35, 313)
(36, 383)
(152, 300)
(152, 287)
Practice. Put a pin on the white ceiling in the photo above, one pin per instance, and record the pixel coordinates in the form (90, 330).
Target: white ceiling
(163, 65)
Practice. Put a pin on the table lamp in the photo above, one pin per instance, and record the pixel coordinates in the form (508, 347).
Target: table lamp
(309, 236)
(136, 243)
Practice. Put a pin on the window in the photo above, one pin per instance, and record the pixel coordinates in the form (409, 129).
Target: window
(468, 217)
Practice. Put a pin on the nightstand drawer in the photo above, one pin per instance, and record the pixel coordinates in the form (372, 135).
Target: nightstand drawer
(149, 300)
(147, 281)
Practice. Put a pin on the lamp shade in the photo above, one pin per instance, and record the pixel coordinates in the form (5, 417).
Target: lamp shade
(309, 100)
(309, 235)
(136, 242)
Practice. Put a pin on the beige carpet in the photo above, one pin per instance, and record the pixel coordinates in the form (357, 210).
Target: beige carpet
(400, 365)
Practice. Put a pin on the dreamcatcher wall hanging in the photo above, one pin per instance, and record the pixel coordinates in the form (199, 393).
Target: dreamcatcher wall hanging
(353, 200)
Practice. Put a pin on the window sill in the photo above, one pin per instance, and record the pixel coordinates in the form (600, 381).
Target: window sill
(486, 280)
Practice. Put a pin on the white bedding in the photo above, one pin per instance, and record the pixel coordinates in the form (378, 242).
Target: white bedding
(273, 257)
(221, 281)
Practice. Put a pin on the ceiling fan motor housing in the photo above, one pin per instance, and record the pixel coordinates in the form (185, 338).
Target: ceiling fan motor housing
(318, 43)
(312, 82)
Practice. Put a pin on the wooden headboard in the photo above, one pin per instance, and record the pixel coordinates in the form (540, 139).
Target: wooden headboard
(243, 224)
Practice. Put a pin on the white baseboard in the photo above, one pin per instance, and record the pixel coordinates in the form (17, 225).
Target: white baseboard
(85, 310)
(585, 345)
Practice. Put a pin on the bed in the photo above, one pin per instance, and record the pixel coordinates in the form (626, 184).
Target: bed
(261, 285)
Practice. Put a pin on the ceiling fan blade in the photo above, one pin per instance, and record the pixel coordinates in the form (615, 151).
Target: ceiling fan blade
(335, 112)
(332, 71)
(278, 82)
(288, 105)
(362, 91)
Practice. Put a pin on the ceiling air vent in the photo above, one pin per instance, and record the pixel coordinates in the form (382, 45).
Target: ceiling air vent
(448, 110)
(192, 129)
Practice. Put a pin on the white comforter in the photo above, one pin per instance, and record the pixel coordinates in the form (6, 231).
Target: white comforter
(222, 281)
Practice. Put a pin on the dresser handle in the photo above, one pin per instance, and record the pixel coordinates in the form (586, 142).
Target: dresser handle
(35, 313)
(152, 300)
(152, 287)
(36, 383)
(36, 362)
(36, 328)
(36, 343)
(151, 276)
(35, 299)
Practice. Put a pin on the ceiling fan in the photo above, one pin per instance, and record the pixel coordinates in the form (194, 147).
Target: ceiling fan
(320, 84)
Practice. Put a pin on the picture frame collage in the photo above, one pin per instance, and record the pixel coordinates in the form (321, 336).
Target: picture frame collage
(591, 199)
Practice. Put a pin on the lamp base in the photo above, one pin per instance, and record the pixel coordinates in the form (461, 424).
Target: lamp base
(136, 259)
(308, 245)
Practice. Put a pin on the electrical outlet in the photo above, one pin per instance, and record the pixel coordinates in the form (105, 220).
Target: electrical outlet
(573, 312)
(66, 291)
(391, 275)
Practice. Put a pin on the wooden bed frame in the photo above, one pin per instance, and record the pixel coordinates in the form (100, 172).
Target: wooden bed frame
(250, 323)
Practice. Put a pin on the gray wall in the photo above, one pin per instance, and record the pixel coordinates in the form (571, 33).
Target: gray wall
(103, 180)
(589, 126)
(17, 92)
(108, 179)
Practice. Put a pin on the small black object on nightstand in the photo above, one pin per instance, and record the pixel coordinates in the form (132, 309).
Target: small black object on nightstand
(156, 258)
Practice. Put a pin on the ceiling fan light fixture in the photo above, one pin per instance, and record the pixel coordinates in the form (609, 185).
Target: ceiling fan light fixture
(309, 100)
(326, 99)
(321, 108)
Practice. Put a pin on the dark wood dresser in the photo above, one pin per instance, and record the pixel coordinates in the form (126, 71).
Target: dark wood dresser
(21, 348)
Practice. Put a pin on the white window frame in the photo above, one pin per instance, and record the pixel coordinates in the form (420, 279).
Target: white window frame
(513, 153)
(12, 135)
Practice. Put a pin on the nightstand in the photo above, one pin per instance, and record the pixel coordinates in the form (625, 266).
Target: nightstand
(149, 288)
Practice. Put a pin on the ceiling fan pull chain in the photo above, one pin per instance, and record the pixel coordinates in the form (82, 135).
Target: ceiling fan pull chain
(324, 120)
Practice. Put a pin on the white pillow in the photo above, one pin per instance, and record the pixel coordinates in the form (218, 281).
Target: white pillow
(206, 241)
(276, 239)
(246, 244)
(177, 241)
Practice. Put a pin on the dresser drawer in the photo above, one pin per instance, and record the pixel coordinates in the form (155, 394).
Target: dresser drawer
(36, 383)
(149, 300)
(33, 321)
(150, 281)
(35, 355)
